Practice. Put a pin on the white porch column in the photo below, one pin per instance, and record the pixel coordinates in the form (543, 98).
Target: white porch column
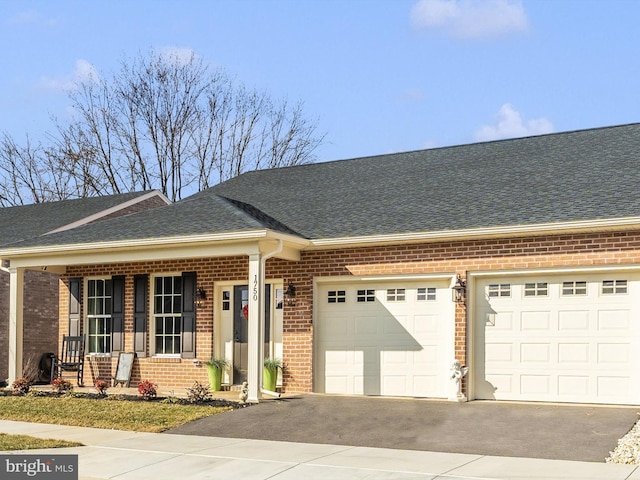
(254, 347)
(16, 284)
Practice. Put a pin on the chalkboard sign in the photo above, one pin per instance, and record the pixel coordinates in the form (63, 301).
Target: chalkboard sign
(123, 370)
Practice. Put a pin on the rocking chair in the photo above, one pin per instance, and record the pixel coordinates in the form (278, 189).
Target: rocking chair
(71, 359)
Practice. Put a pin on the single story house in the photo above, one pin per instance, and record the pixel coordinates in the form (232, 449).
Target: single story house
(40, 297)
(518, 258)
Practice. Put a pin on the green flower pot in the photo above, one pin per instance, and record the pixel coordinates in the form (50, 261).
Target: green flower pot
(215, 378)
(269, 378)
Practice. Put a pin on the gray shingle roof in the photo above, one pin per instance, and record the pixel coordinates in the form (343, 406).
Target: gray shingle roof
(29, 221)
(564, 177)
(582, 175)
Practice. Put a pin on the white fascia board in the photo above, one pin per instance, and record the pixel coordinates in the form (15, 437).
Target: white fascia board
(229, 244)
(109, 211)
(616, 224)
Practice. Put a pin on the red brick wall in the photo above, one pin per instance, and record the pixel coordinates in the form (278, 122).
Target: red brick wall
(40, 331)
(440, 257)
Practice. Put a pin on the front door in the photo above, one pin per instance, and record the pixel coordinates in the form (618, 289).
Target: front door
(240, 331)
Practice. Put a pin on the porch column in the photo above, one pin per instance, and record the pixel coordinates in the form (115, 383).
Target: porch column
(16, 284)
(254, 367)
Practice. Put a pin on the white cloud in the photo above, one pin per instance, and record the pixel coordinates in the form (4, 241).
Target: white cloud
(510, 124)
(470, 18)
(83, 71)
(33, 17)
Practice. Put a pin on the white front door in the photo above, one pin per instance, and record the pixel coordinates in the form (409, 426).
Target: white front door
(230, 333)
(384, 338)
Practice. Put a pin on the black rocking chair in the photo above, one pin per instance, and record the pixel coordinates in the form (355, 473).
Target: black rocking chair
(71, 359)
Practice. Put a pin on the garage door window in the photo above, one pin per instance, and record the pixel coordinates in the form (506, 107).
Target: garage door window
(574, 288)
(614, 287)
(499, 290)
(366, 296)
(425, 294)
(539, 289)
(396, 295)
(336, 296)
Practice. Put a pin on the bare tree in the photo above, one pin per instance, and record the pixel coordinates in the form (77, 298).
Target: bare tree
(169, 123)
(160, 122)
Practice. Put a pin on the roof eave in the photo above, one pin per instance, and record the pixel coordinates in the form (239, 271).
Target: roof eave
(164, 243)
(587, 226)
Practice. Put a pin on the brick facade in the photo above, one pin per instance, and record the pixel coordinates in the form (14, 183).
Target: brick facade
(451, 257)
(40, 317)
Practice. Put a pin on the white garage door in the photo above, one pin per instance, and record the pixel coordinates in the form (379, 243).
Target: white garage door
(573, 338)
(384, 338)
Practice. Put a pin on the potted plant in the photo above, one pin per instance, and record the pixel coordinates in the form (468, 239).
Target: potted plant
(215, 366)
(270, 373)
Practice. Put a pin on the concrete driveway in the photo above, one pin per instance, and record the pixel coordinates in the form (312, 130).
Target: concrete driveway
(562, 432)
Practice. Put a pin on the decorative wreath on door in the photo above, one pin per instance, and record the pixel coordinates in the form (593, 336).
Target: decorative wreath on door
(245, 312)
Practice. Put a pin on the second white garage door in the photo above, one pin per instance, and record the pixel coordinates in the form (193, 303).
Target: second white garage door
(569, 338)
(391, 338)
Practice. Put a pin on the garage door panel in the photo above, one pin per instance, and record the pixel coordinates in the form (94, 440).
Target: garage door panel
(575, 353)
(535, 384)
(535, 353)
(499, 352)
(365, 326)
(573, 385)
(613, 353)
(402, 336)
(535, 320)
(614, 321)
(573, 320)
(574, 348)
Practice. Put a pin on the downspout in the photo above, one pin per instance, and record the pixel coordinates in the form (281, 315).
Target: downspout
(263, 262)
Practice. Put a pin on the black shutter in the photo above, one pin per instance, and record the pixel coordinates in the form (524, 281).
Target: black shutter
(117, 315)
(74, 306)
(140, 303)
(189, 315)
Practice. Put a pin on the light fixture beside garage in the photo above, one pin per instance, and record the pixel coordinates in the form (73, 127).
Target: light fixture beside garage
(459, 290)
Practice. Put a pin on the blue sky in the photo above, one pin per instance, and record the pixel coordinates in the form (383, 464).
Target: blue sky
(381, 76)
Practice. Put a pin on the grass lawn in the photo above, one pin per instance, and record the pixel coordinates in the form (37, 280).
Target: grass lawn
(139, 416)
(24, 442)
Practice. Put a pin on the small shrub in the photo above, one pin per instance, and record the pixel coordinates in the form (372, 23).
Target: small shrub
(21, 386)
(171, 400)
(61, 385)
(147, 389)
(101, 387)
(198, 393)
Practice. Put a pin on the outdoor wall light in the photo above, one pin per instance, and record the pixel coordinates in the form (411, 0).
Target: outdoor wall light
(290, 294)
(459, 290)
(201, 296)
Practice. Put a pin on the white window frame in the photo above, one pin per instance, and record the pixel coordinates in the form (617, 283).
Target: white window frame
(426, 294)
(396, 294)
(156, 316)
(535, 289)
(574, 288)
(614, 287)
(499, 290)
(104, 317)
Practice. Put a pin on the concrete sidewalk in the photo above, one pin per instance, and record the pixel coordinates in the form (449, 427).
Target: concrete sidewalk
(115, 454)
